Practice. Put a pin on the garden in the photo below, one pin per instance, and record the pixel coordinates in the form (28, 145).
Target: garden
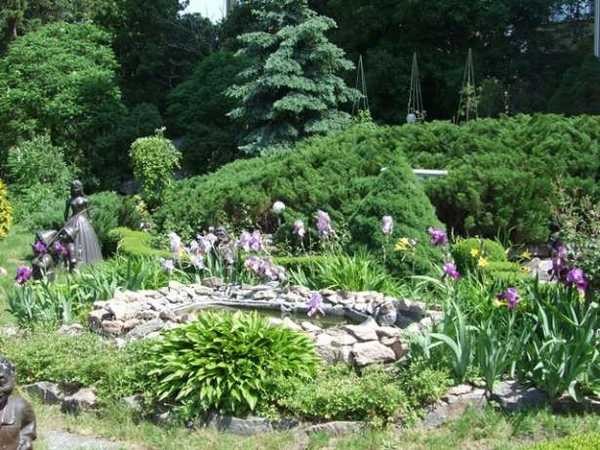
(306, 288)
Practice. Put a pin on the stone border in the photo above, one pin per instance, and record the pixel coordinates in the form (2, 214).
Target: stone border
(377, 330)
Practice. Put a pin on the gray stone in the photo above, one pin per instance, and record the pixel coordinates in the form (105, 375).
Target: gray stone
(82, 400)
(213, 282)
(123, 311)
(147, 314)
(144, 329)
(289, 323)
(49, 393)
(340, 338)
(386, 313)
(202, 290)
(96, 317)
(367, 353)
(130, 325)
(512, 396)
(168, 316)
(264, 295)
(112, 327)
(74, 329)
(444, 412)
(338, 428)
(383, 332)
(241, 427)
(399, 348)
(361, 332)
(328, 353)
(134, 402)
(310, 327)
(460, 389)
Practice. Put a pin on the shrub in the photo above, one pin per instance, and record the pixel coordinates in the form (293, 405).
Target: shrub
(85, 360)
(473, 253)
(38, 162)
(40, 208)
(154, 159)
(61, 79)
(501, 170)
(134, 243)
(338, 393)
(104, 213)
(422, 383)
(228, 362)
(341, 174)
(5, 211)
(134, 213)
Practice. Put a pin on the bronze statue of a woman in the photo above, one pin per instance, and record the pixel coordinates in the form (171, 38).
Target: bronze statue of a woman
(79, 229)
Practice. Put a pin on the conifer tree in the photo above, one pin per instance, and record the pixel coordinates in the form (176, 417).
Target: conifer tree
(293, 88)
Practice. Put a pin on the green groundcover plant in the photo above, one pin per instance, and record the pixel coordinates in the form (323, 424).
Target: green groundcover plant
(228, 362)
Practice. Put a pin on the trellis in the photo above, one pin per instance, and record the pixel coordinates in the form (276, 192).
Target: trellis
(415, 110)
(361, 103)
(469, 99)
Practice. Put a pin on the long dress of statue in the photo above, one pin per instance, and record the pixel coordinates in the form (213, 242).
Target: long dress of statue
(87, 248)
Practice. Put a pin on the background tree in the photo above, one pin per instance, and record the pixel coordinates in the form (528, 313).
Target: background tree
(292, 88)
(61, 81)
(197, 111)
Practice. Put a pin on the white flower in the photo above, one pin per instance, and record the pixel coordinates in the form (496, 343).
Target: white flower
(3, 272)
(278, 207)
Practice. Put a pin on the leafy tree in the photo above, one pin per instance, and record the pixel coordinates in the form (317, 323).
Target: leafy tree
(292, 88)
(154, 159)
(197, 111)
(61, 81)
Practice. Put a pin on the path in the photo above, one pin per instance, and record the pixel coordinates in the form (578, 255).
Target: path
(62, 440)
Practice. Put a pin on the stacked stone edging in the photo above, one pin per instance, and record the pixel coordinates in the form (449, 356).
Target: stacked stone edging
(376, 332)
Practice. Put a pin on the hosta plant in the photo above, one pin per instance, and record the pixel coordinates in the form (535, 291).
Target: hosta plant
(228, 362)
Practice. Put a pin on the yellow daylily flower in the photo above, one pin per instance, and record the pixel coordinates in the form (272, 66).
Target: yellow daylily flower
(526, 255)
(403, 245)
(482, 262)
(474, 252)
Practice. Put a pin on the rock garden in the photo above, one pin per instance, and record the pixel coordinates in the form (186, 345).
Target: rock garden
(277, 273)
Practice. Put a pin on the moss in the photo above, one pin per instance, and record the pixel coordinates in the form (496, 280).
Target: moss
(134, 243)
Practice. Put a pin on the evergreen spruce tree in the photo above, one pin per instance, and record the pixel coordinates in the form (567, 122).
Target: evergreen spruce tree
(293, 88)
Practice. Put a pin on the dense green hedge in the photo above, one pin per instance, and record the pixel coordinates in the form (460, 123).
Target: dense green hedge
(356, 176)
(502, 171)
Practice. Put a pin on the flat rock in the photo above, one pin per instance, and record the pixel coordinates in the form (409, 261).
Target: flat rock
(310, 327)
(366, 353)
(112, 327)
(337, 428)
(399, 348)
(242, 427)
(460, 389)
(289, 323)
(146, 328)
(388, 332)
(49, 393)
(512, 396)
(361, 332)
(82, 400)
(340, 338)
(444, 412)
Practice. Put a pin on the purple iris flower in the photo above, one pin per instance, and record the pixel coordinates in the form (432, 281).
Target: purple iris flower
(315, 304)
(438, 236)
(40, 248)
(387, 225)
(324, 224)
(244, 241)
(175, 244)
(197, 261)
(298, 229)
(559, 269)
(60, 249)
(577, 278)
(24, 274)
(511, 297)
(451, 271)
(264, 268)
(168, 265)
(256, 241)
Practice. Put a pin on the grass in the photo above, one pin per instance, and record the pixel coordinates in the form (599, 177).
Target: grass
(488, 429)
(15, 250)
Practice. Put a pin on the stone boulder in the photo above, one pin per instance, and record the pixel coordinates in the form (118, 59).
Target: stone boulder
(367, 353)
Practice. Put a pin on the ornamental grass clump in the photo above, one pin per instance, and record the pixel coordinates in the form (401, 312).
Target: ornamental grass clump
(231, 363)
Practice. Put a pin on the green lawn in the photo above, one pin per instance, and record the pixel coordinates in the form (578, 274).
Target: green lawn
(14, 251)
(489, 429)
